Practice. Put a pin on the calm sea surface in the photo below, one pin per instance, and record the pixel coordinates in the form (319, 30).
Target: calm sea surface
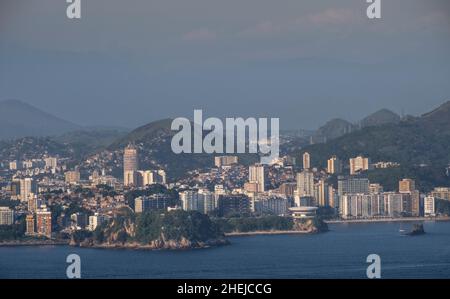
(340, 253)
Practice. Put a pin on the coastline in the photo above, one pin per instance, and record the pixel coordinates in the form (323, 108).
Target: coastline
(210, 243)
(131, 245)
(268, 232)
(406, 219)
(152, 247)
(33, 243)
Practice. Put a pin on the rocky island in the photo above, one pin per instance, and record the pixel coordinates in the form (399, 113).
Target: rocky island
(171, 230)
(417, 230)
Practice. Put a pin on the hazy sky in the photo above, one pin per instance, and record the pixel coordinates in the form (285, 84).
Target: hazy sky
(126, 63)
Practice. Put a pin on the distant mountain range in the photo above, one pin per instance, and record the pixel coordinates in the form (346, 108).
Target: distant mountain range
(383, 136)
(19, 119)
(338, 127)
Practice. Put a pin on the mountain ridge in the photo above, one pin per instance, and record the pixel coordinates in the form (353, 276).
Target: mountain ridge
(20, 119)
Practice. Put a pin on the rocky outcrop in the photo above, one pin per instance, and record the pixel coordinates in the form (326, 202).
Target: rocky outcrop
(310, 225)
(159, 244)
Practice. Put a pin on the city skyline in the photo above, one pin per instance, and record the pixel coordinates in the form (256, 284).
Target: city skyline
(212, 139)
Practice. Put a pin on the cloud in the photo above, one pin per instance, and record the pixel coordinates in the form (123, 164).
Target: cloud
(201, 34)
(330, 17)
(325, 18)
(435, 18)
(261, 29)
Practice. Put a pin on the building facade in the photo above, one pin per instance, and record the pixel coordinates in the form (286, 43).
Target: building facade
(130, 164)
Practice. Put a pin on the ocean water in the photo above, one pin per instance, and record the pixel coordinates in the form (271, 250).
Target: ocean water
(340, 253)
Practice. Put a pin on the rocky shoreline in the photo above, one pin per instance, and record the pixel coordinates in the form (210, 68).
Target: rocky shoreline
(268, 232)
(154, 245)
(182, 244)
(303, 227)
(404, 219)
(34, 243)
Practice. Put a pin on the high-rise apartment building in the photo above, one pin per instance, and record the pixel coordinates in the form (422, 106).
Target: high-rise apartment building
(142, 178)
(145, 177)
(415, 203)
(334, 165)
(348, 185)
(44, 222)
(393, 204)
(358, 164)
(305, 183)
(333, 197)
(271, 204)
(153, 202)
(306, 161)
(233, 204)
(191, 201)
(375, 188)
(33, 204)
(288, 189)
(209, 200)
(257, 174)
(6, 216)
(251, 187)
(429, 206)
(130, 165)
(321, 193)
(441, 192)
(202, 201)
(30, 225)
(362, 205)
(406, 185)
(28, 187)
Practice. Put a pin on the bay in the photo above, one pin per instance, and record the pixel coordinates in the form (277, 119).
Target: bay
(339, 253)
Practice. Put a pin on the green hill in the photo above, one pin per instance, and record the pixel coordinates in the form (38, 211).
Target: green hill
(154, 143)
(381, 117)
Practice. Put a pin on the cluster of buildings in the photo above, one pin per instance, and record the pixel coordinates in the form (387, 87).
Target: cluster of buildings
(39, 222)
(58, 197)
(353, 196)
(132, 177)
(228, 188)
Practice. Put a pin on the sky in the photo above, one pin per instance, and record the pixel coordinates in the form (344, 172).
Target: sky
(126, 63)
